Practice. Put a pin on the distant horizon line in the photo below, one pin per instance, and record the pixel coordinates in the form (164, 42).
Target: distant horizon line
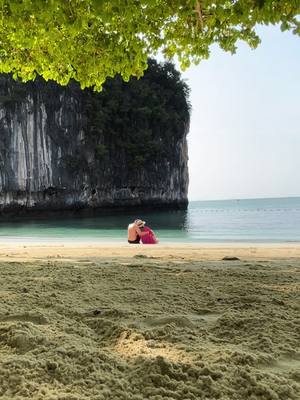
(250, 198)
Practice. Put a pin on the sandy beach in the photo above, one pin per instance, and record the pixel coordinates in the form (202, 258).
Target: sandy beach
(25, 250)
(174, 321)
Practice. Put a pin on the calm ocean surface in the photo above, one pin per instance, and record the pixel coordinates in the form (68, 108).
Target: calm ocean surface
(255, 220)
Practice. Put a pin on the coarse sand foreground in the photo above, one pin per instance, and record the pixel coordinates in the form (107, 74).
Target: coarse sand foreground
(176, 322)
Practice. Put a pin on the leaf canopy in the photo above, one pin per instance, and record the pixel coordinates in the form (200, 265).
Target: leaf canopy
(90, 40)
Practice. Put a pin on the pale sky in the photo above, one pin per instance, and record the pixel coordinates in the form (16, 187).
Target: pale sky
(244, 139)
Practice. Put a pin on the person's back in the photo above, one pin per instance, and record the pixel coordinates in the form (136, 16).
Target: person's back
(134, 231)
(150, 238)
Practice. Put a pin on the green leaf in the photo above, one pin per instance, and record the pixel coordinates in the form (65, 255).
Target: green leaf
(90, 40)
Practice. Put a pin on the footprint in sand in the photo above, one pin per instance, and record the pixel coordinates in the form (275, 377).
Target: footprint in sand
(37, 319)
(178, 320)
(209, 318)
(288, 364)
(183, 321)
(205, 315)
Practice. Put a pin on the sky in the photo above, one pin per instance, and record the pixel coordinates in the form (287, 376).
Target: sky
(244, 139)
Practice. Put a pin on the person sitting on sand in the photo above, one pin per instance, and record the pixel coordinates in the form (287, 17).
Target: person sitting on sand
(150, 238)
(134, 231)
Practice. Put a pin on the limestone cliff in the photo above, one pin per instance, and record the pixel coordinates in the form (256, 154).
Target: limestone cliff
(58, 151)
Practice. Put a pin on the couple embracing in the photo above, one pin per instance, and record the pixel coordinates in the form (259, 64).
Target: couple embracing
(138, 231)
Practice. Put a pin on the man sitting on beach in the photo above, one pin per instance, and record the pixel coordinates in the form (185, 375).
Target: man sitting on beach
(134, 231)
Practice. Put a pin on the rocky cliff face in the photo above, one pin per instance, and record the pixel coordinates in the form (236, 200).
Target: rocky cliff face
(50, 157)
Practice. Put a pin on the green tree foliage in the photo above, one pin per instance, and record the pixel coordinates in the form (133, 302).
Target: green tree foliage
(142, 120)
(90, 40)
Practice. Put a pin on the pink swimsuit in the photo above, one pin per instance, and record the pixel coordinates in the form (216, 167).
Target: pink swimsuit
(150, 238)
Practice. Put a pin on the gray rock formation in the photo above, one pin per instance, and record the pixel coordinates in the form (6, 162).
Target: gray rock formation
(47, 160)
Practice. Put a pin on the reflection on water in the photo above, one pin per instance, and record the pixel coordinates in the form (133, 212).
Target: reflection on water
(111, 226)
(263, 220)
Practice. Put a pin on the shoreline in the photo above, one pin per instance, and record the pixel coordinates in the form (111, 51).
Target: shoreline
(35, 240)
(121, 242)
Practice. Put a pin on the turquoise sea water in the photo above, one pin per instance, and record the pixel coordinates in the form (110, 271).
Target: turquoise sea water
(256, 220)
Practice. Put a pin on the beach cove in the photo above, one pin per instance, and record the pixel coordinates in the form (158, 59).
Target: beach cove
(172, 321)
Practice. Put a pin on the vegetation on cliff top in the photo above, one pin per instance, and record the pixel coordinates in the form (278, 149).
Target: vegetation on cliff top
(90, 40)
(142, 117)
(141, 121)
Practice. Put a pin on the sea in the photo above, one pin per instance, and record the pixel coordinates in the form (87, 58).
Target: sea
(269, 220)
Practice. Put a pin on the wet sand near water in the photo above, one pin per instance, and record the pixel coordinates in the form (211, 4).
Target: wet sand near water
(161, 322)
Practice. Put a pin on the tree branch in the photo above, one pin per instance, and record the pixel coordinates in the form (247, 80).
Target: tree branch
(198, 11)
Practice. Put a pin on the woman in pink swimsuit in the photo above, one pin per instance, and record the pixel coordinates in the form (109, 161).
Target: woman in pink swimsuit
(150, 238)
